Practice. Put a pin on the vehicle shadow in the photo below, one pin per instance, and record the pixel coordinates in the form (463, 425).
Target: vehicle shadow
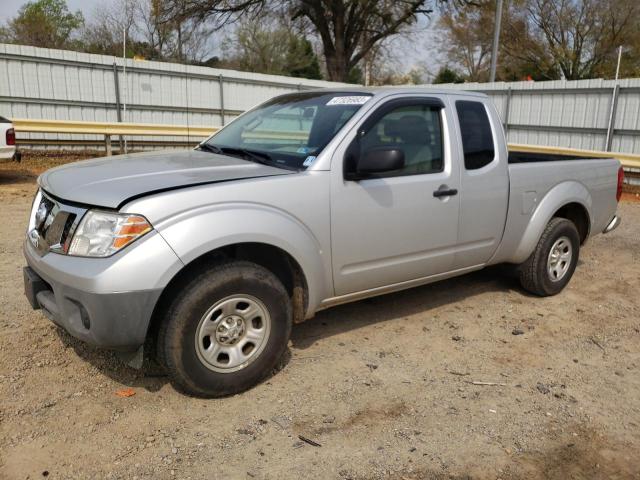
(334, 321)
(11, 176)
(150, 377)
(394, 306)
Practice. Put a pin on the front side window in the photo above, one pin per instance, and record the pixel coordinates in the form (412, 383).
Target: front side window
(414, 129)
(477, 139)
(288, 131)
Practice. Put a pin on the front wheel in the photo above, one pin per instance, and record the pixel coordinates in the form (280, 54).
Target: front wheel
(551, 265)
(226, 330)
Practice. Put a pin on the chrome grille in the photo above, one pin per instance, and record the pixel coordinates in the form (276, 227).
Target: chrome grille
(52, 224)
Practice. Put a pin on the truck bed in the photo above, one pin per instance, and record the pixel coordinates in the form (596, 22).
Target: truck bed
(533, 157)
(591, 181)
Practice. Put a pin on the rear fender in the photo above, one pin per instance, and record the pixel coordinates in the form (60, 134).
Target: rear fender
(562, 194)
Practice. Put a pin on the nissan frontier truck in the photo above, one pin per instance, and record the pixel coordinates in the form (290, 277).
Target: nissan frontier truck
(310, 200)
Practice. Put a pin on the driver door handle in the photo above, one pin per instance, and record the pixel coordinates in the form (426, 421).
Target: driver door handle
(445, 192)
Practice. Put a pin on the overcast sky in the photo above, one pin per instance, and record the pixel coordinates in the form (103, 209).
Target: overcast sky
(421, 49)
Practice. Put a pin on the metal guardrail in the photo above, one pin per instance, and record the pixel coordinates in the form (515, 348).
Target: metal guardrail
(109, 129)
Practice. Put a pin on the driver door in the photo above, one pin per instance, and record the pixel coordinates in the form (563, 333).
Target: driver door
(398, 225)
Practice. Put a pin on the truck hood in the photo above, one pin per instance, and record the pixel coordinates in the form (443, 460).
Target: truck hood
(112, 181)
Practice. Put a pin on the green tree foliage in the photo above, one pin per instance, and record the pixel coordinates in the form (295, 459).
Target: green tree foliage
(44, 23)
(447, 75)
(301, 48)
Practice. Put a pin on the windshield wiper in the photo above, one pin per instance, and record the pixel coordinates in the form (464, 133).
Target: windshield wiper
(260, 157)
(251, 155)
(265, 159)
(255, 156)
(207, 147)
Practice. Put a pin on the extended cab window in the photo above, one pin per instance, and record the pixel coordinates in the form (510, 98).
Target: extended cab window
(477, 139)
(414, 129)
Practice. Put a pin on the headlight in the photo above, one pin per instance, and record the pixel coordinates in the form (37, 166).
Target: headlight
(35, 206)
(101, 234)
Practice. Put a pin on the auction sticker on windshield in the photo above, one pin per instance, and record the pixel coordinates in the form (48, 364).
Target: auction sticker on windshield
(350, 100)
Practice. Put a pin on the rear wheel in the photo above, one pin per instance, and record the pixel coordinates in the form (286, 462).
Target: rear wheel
(226, 330)
(551, 265)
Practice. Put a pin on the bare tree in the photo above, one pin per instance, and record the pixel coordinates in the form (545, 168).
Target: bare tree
(576, 38)
(346, 29)
(104, 31)
(273, 46)
(156, 33)
(349, 29)
(467, 37)
(543, 39)
(148, 33)
(217, 13)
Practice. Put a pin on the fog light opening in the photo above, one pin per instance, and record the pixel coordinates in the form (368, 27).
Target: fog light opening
(84, 316)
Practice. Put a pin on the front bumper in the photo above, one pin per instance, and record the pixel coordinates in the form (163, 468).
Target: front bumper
(106, 302)
(113, 320)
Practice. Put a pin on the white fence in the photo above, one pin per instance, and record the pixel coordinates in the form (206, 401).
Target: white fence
(39, 83)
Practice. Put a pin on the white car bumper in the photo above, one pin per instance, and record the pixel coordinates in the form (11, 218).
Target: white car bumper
(7, 153)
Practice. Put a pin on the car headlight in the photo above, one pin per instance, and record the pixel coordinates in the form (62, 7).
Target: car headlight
(101, 234)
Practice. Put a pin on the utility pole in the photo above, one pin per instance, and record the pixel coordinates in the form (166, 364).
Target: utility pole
(619, 59)
(496, 41)
(126, 89)
(614, 105)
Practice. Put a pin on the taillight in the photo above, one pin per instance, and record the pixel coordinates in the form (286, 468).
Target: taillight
(11, 137)
(620, 182)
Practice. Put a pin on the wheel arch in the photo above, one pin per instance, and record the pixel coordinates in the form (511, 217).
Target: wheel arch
(279, 262)
(579, 216)
(570, 200)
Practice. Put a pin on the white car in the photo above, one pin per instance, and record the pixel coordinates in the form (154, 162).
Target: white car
(7, 141)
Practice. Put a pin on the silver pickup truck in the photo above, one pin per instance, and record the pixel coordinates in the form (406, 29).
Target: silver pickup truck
(309, 200)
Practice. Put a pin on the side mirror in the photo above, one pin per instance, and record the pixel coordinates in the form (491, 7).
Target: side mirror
(379, 160)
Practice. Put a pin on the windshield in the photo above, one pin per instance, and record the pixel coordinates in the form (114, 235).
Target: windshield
(288, 131)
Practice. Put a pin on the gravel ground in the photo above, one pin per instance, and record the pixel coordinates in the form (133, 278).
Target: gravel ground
(384, 386)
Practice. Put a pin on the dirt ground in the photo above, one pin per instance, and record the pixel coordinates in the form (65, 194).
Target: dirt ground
(384, 386)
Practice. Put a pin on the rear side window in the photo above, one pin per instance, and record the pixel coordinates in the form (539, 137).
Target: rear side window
(477, 140)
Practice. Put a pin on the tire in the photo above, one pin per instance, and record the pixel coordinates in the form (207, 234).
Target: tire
(544, 275)
(204, 362)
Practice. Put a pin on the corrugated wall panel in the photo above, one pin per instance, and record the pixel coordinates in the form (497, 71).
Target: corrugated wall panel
(55, 84)
(64, 85)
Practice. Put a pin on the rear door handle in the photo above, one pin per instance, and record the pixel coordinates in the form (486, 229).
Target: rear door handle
(445, 192)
